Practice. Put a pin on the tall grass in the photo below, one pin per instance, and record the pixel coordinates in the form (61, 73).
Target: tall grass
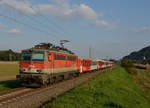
(112, 89)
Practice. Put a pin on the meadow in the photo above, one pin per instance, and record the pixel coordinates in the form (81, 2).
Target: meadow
(113, 89)
(8, 72)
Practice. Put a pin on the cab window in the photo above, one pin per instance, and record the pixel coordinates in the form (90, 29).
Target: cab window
(38, 57)
(26, 57)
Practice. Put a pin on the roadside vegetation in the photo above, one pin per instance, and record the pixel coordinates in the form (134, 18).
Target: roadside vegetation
(141, 76)
(143, 80)
(8, 72)
(129, 66)
(113, 89)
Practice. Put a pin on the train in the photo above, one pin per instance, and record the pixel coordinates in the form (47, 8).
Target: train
(46, 64)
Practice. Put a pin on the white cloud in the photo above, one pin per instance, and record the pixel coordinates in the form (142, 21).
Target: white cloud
(61, 8)
(14, 31)
(105, 24)
(23, 6)
(67, 11)
(140, 30)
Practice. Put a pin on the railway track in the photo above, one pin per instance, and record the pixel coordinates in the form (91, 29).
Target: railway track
(33, 98)
(8, 96)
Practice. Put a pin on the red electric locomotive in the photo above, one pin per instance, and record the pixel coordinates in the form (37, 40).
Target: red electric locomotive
(45, 63)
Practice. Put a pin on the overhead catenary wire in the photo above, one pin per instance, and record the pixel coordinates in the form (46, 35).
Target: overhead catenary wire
(55, 24)
(28, 25)
(31, 18)
(38, 22)
(52, 22)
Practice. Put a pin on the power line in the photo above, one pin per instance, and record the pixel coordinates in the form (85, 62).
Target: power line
(55, 24)
(37, 29)
(35, 20)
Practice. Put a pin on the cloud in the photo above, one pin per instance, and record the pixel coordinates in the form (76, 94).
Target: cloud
(66, 11)
(23, 6)
(61, 9)
(14, 31)
(105, 24)
(140, 30)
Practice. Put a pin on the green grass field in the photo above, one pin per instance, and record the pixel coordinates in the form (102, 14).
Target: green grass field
(112, 89)
(8, 72)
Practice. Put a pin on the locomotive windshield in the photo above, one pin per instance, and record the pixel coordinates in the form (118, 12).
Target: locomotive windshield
(26, 57)
(33, 57)
(38, 57)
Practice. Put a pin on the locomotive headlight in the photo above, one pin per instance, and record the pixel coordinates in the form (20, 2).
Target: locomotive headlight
(39, 70)
(22, 70)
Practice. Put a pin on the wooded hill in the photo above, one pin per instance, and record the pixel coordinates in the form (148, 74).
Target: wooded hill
(9, 55)
(141, 56)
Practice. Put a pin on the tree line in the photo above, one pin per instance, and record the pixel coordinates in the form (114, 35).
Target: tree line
(9, 55)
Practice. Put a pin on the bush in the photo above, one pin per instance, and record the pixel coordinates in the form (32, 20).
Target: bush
(126, 63)
(129, 66)
(132, 70)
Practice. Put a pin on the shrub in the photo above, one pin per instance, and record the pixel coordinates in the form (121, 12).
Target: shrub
(132, 70)
(129, 66)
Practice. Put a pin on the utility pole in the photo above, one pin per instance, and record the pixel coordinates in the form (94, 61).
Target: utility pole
(90, 52)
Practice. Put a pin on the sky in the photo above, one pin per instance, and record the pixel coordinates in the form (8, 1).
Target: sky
(111, 28)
